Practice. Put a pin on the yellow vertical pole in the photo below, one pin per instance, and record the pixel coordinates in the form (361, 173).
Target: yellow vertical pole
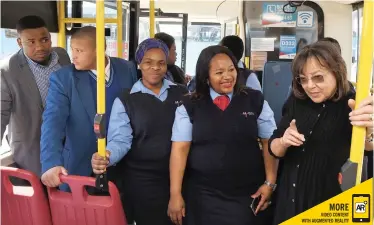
(119, 29)
(151, 18)
(61, 24)
(246, 61)
(363, 84)
(237, 30)
(100, 53)
(100, 118)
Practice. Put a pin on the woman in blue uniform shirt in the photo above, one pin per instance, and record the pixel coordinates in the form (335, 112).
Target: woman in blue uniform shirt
(217, 128)
(140, 132)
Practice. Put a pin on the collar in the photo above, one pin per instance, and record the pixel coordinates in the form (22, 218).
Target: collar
(107, 70)
(214, 94)
(139, 87)
(241, 65)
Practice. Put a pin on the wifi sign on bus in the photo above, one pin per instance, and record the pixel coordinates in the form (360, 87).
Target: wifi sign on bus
(305, 19)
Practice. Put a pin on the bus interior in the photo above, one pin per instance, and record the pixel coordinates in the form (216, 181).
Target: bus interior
(272, 31)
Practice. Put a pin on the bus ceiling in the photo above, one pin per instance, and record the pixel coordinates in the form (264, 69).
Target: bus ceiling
(208, 10)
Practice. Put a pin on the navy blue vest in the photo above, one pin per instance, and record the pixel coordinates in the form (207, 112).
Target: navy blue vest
(151, 121)
(225, 153)
(112, 88)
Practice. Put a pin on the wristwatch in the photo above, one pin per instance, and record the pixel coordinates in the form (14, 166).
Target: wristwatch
(369, 138)
(273, 186)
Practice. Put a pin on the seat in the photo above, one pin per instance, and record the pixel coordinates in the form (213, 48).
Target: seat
(79, 208)
(276, 83)
(26, 205)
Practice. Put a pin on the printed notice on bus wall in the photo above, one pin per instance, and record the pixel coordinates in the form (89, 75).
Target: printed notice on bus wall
(262, 44)
(273, 15)
(287, 47)
(258, 60)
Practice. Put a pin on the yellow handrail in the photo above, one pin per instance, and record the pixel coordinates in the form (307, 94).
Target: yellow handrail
(363, 84)
(100, 52)
(119, 29)
(151, 18)
(246, 61)
(61, 24)
(355, 85)
(62, 21)
(88, 20)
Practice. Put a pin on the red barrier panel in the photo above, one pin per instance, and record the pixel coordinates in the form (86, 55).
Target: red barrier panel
(23, 205)
(80, 208)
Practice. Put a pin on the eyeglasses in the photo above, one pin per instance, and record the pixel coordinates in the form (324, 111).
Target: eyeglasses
(317, 79)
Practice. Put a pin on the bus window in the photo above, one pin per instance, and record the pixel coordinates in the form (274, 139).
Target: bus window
(230, 27)
(89, 11)
(173, 28)
(143, 29)
(167, 24)
(8, 42)
(199, 36)
(355, 40)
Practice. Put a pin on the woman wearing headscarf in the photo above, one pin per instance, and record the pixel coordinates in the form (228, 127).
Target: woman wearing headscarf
(140, 133)
(217, 129)
(314, 135)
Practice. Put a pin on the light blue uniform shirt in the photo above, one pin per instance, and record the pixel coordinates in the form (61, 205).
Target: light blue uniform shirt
(252, 80)
(120, 131)
(182, 127)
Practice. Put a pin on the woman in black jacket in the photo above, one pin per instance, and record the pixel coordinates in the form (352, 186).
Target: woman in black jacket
(314, 135)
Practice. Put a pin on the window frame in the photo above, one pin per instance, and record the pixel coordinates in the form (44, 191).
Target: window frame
(357, 8)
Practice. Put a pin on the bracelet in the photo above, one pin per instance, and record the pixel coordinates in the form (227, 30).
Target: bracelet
(272, 186)
(370, 138)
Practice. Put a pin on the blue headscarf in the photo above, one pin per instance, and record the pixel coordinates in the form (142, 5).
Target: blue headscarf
(148, 44)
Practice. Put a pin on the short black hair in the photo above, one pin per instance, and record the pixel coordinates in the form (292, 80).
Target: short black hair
(234, 44)
(30, 22)
(166, 38)
(333, 41)
(87, 31)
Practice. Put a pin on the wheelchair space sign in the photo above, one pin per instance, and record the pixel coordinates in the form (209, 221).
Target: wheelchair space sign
(305, 19)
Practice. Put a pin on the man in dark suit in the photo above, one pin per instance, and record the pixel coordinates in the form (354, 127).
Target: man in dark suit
(24, 86)
(71, 108)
